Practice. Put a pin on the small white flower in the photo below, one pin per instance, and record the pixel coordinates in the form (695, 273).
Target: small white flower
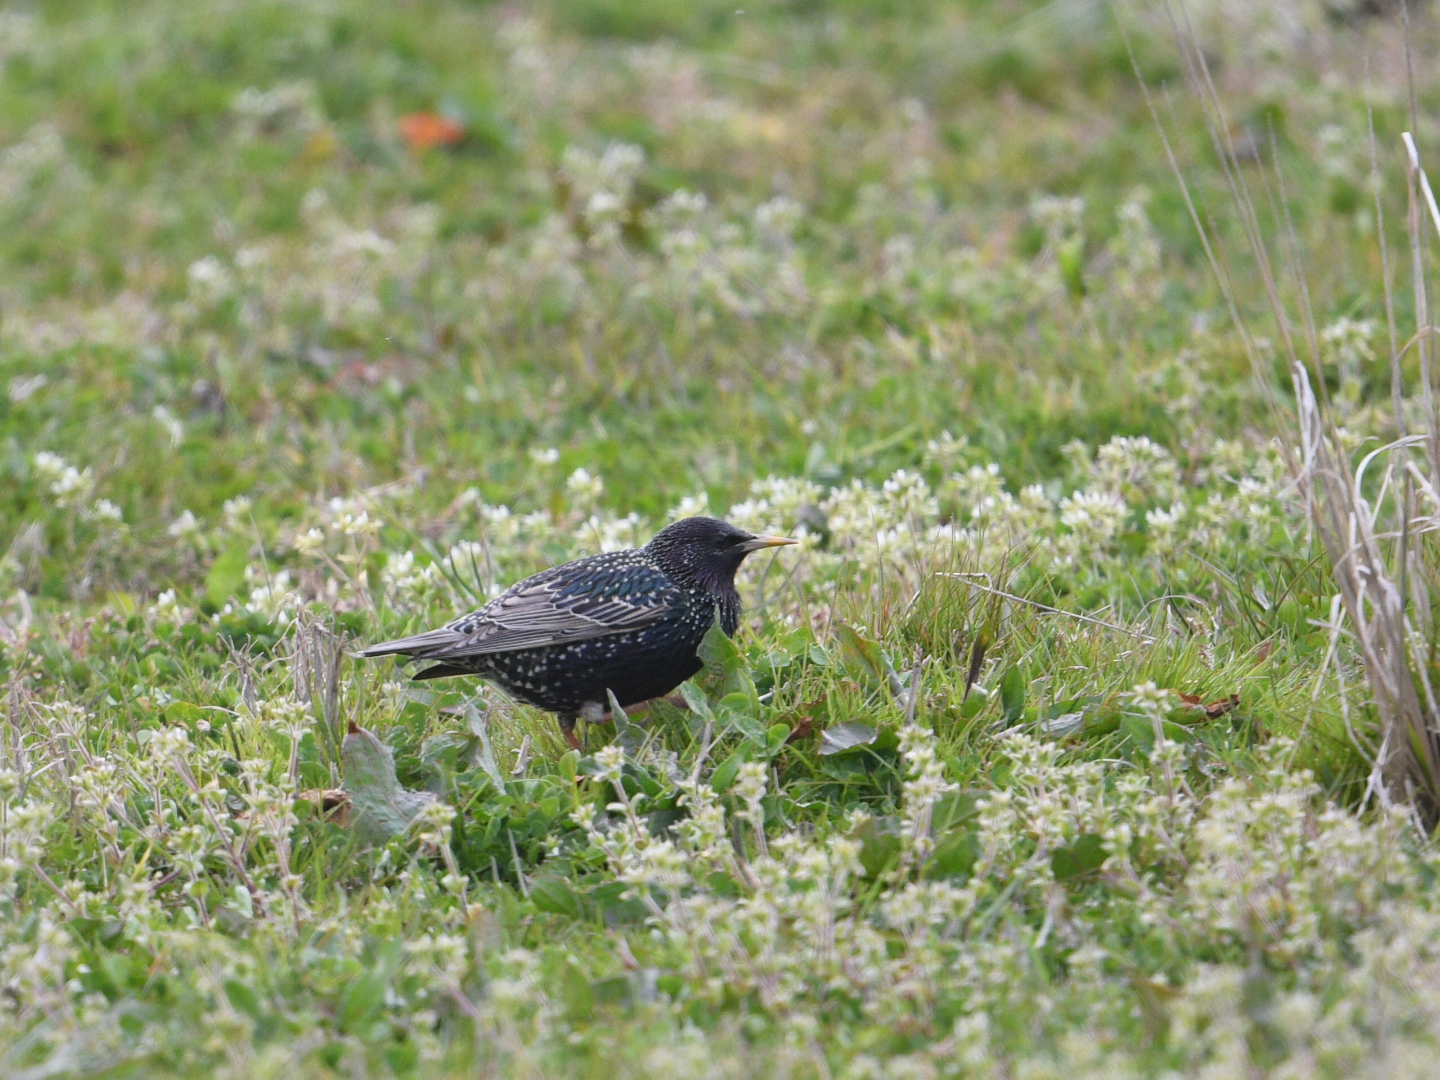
(106, 510)
(1163, 526)
(1151, 699)
(547, 455)
(50, 466)
(73, 485)
(355, 523)
(945, 451)
(184, 525)
(310, 542)
(237, 512)
(691, 506)
(167, 608)
(609, 760)
(173, 427)
(272, 599)
(209, 280)
(585, 488)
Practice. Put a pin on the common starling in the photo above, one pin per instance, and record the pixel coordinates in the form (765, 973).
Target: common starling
(629, 622)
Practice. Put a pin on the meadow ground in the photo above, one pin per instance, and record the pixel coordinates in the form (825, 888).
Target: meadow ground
(1048, 752)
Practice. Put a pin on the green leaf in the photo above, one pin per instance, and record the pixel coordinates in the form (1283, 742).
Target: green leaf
(1083, 855)
(569, 765)
(227, 573)
(724, 774)
(1141, 731)
(695, 698)
(484, 753)
(722, 657)
(119, 970)
(1012, 694)
(552, 894)
(735, 712)
(775, 737)
(380, 809)
(242, 998)
(838, 738)
(575, 991)
(362, 1000)
(955, 854)
(879, 846)
(242, 901)
(864, 653)
(718, 652)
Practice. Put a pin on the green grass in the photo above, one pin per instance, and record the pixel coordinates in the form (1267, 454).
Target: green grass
(269, 372)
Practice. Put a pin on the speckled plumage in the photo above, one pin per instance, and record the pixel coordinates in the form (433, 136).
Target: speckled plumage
(627, 621)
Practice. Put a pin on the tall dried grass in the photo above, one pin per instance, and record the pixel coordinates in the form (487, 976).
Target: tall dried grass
(1380, 546)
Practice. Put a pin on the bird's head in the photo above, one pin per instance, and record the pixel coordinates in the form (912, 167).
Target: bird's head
(706, 551)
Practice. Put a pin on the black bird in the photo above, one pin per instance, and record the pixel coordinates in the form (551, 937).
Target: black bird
(629, 622)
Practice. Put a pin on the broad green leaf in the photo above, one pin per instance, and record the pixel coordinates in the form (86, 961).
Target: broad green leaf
(380, 808)
(1064, 724)
(736, 712)
(1083, 855)
(575, 991)
(718, 652)
(553, 895)
(242, 901)
(243, 998)
(838, 738)
(569, 765)
(954, 855)
(362, 999)
(119, 970)
(695, 698)
(722, 657)
(724, 774)
(1141, 730)
(879, 846)
(864, 653)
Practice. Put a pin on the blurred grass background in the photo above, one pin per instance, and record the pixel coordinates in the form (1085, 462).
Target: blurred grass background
(962, 113)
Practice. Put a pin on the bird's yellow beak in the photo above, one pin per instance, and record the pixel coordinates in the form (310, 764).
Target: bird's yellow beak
(756, 543)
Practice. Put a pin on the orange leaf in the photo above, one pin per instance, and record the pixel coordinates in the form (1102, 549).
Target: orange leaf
(1216, 708)
(426, 130)
(1221, 707)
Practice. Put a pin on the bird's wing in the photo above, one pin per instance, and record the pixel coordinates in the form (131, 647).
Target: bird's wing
(567, 603)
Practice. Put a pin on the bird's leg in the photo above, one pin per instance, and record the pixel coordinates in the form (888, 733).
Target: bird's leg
(567, 729)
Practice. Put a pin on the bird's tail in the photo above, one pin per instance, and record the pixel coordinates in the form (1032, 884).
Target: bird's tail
(418, 646)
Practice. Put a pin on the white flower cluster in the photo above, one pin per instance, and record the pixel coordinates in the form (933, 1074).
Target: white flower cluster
(69, 485)
(600, 187)
(746, 269)
(1257, 876)
(898, 530)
